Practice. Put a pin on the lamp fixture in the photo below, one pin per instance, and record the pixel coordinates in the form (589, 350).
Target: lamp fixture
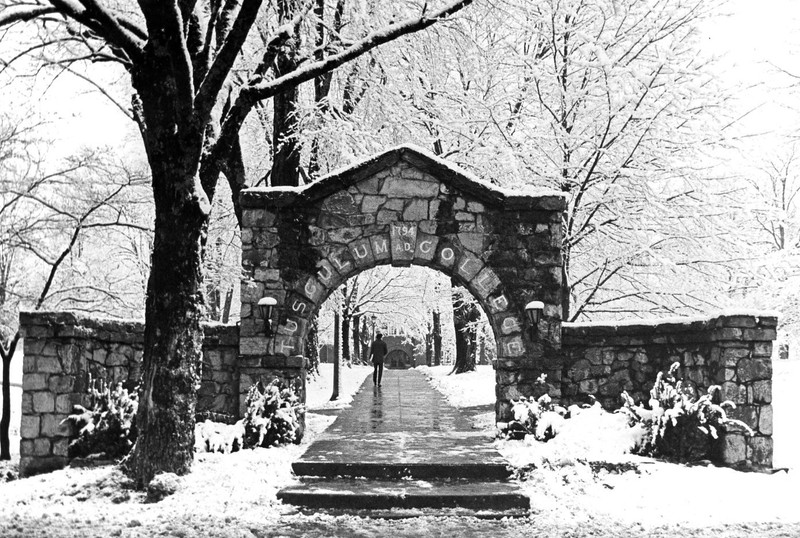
(533, 311)
(265, 307)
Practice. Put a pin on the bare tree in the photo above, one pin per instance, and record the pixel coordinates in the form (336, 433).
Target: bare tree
(48, 221)
(180, 56)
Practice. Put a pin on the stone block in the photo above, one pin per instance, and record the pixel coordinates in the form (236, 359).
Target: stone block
(732, 355)
(65, 403)
(425, 248)
(115, 358)
(509, 392)
(510, 346)
(473, 242)
(26, 448)
(738, 321)
(361, 250)
(416, 210)
(759, 451)
(70, 356)
(371, 203)
(403, 242)
(734, 392)
(733, 448)
(760, 334)
(41, 447)
(468, 266)
(27, 403)
(588, 386)
(61, 447)
(386, 216)
(475, 207)
(485, 283)
(728, 333)
(53, 425)
(257, 218)
(765, 419)
(253, 345)
(746, 413)
(262, 274)
(29, 428)
(760, 392)
(99, 355)
(60, 384)
(214, 359)
(762, 349)
(29, 364)
(506, 377)
(754, 369)
(34, 382)
(381, 246)
(43, 402)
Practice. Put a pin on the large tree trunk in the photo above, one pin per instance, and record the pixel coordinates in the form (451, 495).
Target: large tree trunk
(465, 318)
(429, 345)
(173, 338)
(285, 121)
(357, 338)
(346, 337)
(6, 354)
(437, 338)
(312, 347)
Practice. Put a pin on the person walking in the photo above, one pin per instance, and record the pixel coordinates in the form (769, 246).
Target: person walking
(377, 352)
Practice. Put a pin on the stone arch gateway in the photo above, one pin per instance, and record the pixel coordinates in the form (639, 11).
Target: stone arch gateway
(403, 207)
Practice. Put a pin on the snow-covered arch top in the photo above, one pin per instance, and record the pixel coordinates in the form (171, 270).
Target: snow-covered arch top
(403, 207)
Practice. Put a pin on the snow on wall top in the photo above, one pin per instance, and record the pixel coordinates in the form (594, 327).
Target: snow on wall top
(444, 171)
(653, 322)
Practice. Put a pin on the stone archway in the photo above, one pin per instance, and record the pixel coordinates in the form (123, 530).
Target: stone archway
(403, 207)
(398, 358)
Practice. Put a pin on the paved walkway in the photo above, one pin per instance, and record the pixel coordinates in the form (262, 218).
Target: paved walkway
(415, 451)
(404, 421)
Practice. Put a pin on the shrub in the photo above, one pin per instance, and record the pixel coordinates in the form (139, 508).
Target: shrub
(108, 425)
(678, 425)
(537, 416)
(273, 415)
(162, 485)
(218, 437)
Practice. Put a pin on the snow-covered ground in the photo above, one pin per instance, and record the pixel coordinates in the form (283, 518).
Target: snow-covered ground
(234, 495)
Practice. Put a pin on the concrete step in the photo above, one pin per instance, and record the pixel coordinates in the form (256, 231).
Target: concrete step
(401, 470)
(408, 513)
(360, 494)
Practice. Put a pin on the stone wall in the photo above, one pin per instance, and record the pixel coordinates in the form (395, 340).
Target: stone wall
(732, 351)
(64, 351)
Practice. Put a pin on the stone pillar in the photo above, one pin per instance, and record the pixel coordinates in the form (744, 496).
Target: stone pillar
(742, 365)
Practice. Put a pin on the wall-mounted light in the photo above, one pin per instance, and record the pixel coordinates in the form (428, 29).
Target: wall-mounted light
(265, 307)
(533, 311)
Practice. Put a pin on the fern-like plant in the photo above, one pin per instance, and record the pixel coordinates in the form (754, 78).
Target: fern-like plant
(539, 417)
(679, 426)
(273, 415)
(108, 425)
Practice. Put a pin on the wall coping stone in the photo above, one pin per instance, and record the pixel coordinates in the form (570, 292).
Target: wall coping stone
(77, 325)
(449, 174)
(684, 327)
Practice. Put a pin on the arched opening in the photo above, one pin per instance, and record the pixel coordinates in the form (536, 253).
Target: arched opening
(415, 308)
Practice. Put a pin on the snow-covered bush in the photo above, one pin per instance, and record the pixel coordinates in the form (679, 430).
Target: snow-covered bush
(679, 426)
(108, 425)
(162, 485)
(218, 437)
(273, 415)
(537, 416)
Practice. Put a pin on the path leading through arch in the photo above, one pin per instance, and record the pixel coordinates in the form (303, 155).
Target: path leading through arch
(414, 449)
